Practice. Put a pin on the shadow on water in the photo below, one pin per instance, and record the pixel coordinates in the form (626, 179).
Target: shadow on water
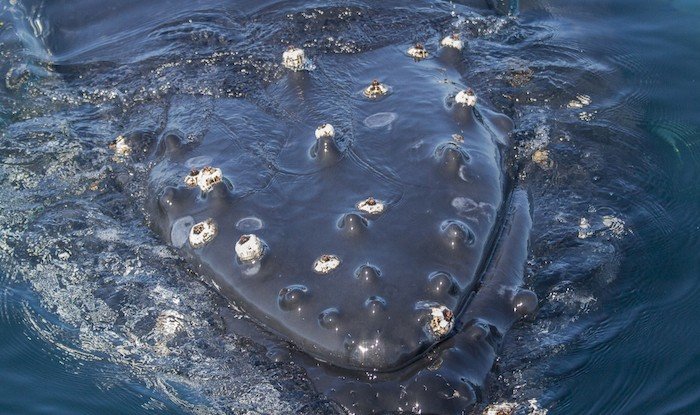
(105, 317)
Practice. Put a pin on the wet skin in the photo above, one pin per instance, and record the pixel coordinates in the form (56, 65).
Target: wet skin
(453, 233)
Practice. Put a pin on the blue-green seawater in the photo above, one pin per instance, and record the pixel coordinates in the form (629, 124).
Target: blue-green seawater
(608, 88)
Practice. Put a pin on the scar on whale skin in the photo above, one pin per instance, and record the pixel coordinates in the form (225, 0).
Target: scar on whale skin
(392, 300)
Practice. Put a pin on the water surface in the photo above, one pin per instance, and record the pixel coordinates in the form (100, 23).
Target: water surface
(99, 316)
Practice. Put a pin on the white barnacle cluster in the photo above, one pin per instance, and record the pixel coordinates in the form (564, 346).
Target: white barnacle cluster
(503, 408)
(417, 51)
(325, 131)
(512, 408)
(371, 206)
(249, 247)
(192, 178)
(441, 321)
(295, 59)
(452, 41)
(202, 233)
(541, 158)
(121, 147)
(326, 263)
(375, 89)
(466, 97)
(206, 178)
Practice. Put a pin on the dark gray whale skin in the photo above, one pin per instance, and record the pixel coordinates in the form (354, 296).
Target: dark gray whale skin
(454, 233)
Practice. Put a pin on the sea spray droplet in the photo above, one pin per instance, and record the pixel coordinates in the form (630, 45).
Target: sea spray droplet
(380, 119)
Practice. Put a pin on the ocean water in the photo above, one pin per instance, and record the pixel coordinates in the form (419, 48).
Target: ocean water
(99, 316)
